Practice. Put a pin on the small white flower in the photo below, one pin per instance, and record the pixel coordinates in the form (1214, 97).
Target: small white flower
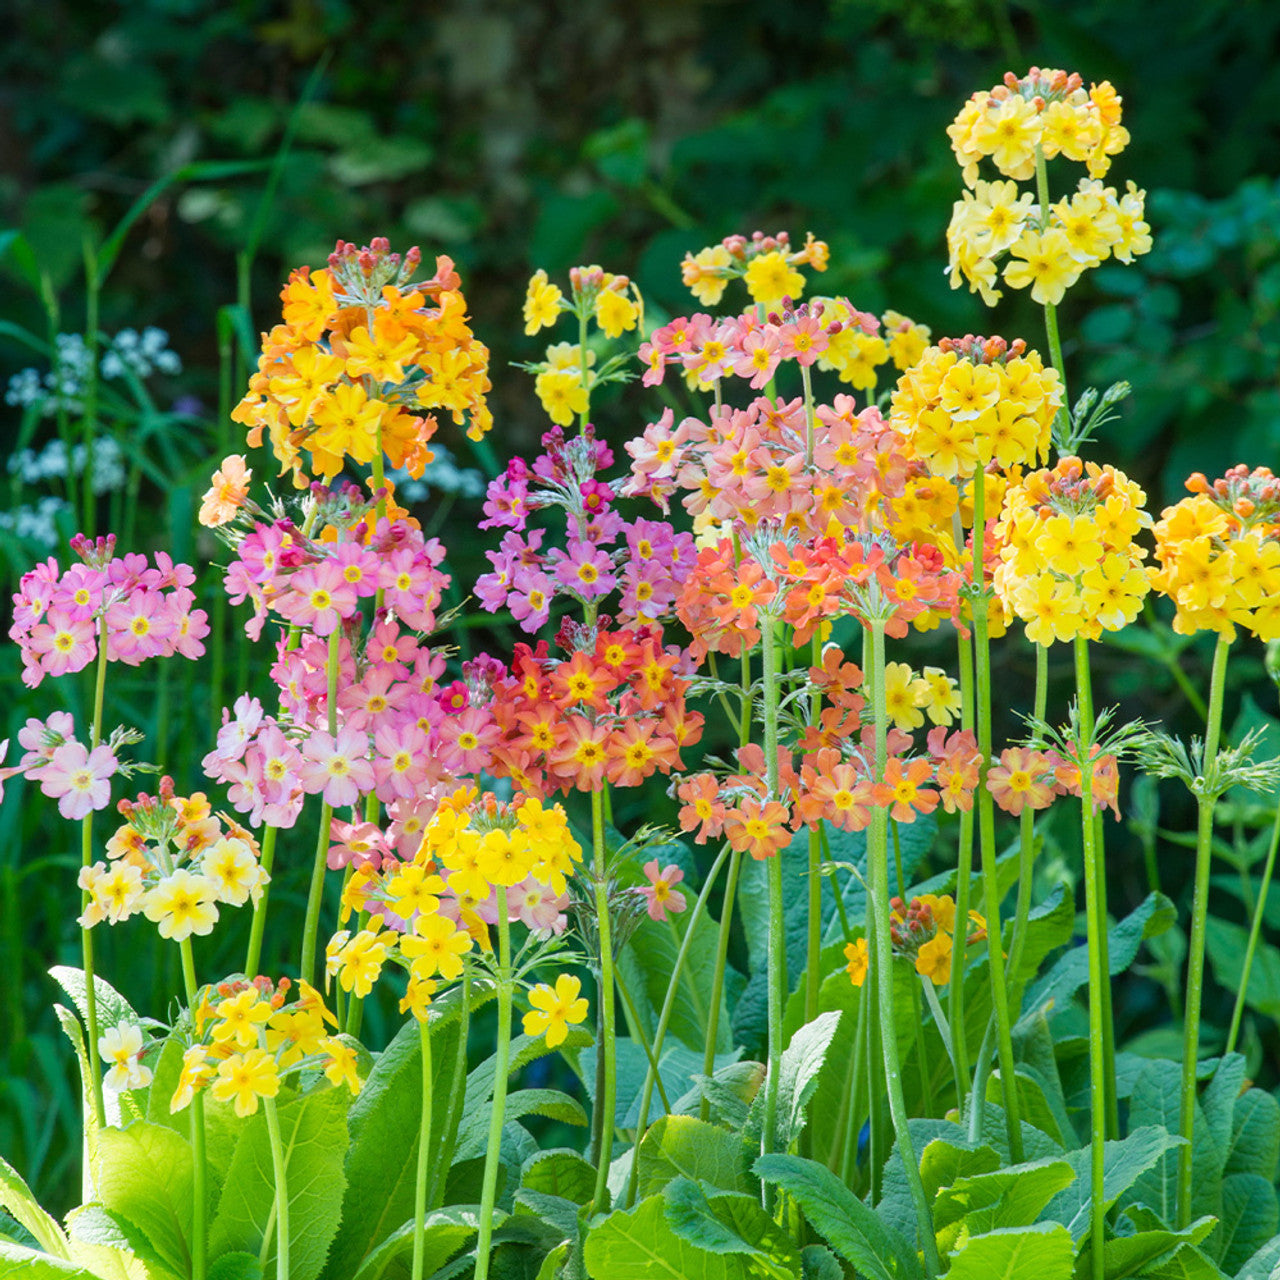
(122, 1047)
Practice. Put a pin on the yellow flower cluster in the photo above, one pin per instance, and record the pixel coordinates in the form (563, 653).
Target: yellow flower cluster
(1070, 564)
(855, 355)
(363, 355)
(468, 848)
(1218, 554)
(922, 931)
(173, 862)
(767, 265)
(1046, 113)
(909, 697)
(248, 1034)
(563, 380)
(1019, 125)
(973, 401)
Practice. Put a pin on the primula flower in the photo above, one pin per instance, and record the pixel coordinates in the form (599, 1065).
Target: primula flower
(660, 895)
(79, 779)
(554, 1008)
(859, 957)
(182, 904)
(229, 487)
(122, 1047)
(246, 1077)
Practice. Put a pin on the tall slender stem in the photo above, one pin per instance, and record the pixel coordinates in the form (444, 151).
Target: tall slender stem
(199, 1222)
(315, 894)
(777, 935)
(1026, 827)
(882, 963)
(1254, 931)
(266, 861)
(497, 1108)
(606, 1042)
(1206, 801)
(280, 1169)
(457, 1096)
(717, 976)
(664, 1017)
(1050, 311)
(849, 1147)
(1097, 850)
(987, 831)
(424, 1148)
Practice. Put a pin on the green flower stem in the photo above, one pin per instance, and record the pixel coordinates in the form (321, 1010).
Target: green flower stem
(882, 963)
(1097, 980)
(582, 355)
(639, 1033)
(1256, 929)
(93, 291)
(964, 869)
(717, 977)
(1098, 923)
(777, 934)
(987, 834)
(86, 859)
(1026, 829)
(664, 1016)
(280, 1168)
(267, 861)
(424, 1148)
(606, 1033)
(848, 1149)
(813, 940)
(1206, 801)
(498, 1106)
(944, 1030)
(877, 1137)
(311, 924)
(457, 1096)
(199, 1194)
(922, 1061)
(1050, 311)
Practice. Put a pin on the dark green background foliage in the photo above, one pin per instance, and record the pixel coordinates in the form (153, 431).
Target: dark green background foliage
(515, 135)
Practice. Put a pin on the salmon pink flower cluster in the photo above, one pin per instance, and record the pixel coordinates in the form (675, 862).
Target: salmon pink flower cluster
(139, 610)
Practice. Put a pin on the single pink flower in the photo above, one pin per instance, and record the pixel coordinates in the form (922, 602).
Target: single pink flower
(79, 779)
(660, 895)
(339, 768)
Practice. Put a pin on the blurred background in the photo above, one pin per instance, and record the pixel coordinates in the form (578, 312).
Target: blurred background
(167, 162)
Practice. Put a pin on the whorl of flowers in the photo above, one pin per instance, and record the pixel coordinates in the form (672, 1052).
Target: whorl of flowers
(1019, 125)
(1070, 564)
(1218, 554)
(767, 264)
(973, 401)
(175, 863)
(363, 356)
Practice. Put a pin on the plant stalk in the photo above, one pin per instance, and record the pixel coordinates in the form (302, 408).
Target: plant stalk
(493, 1152)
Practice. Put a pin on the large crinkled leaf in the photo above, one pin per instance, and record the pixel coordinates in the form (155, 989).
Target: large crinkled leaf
(111, 1237)
(1150, 918)
(1124, 1163)
(802, 1060)
(1250, 1216)
(853, 1230)
(1226, 944)
(730, 1223)
(1126, 1255)
(1186, 1262)
(17, 1200)
(683, 1146)
(113, 1008)
(560, 1172)
(677, 1068)
(444, 1232)
(1009, 1197)
(17, 1262)
(1154, 1102)
(1264, 1265)
(313, 1133)
(1255, 1135)
(146, 1174)
(1042, 1252)
(473, 1133)
(637, 1244)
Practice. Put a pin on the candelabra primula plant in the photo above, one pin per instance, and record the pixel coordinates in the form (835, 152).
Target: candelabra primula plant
(773, 1090)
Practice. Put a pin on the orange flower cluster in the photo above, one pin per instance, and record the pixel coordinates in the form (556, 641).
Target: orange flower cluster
(808, 585)
(1218, 554)
(362, 353)
(615, 709)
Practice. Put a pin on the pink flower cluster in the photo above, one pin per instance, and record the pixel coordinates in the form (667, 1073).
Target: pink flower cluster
(748, 346)
(142, 611)
(645, 559)
(768, 462)
(317, 583)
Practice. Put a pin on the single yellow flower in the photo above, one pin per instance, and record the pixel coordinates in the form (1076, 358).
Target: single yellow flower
(246, 1077)
(554, 1009)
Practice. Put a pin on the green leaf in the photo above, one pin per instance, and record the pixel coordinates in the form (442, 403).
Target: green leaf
(17, 1260)
(16, 1199)
(942, 1163)
(1264, 1264)
(313, 1132)
(683, 1146)
(235, 1266)
(1185, 1263)
(638, 1244)
(70, 1025)
(1034, 1107)
(802, 1060)
(1049, 926)
(552, 1263)
(146, 1175)
(1124, 1162)
(1009, 1197)
(113, 1008)
(1226, 944)
(445, 1231)
(1250, 1216)
(560, 1172)
(1042, 1252)
(1126, 1255)
(474, 1130)
(1255, 1146)
(690, 1216)
(113, 1235)
(855, 1231)
(1148, 920)
(817, 1262)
